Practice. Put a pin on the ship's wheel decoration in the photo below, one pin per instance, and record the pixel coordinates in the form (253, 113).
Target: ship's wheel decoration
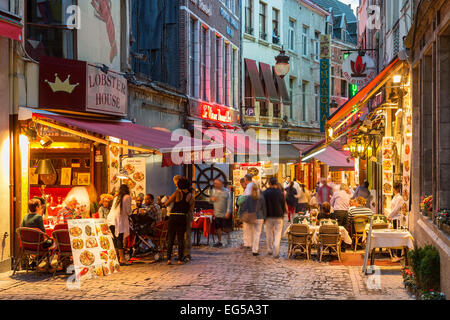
(205, 179)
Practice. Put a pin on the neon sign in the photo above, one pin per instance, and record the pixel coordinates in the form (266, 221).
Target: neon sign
(208, 113)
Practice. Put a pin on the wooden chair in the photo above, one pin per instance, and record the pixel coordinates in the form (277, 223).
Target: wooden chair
(329, 239)
(32, 242)
(63, 248)
(299, 239)
(359, 227)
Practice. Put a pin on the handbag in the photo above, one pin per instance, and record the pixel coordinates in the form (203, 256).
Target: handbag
(249, 217)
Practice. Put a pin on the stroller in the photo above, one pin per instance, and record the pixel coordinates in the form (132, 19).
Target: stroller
(146, 240)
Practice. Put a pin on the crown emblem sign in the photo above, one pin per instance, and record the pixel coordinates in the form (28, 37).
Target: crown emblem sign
(59, 86)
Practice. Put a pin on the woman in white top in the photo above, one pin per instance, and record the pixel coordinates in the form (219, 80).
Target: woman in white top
(118, 220)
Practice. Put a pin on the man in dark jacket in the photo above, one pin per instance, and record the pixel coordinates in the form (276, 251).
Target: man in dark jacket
(276, 209)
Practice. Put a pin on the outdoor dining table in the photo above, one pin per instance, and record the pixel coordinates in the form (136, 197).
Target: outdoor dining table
(314, 230)
(202, 223)
(390, 238)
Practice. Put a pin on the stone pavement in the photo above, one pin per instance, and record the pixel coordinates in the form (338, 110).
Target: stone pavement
(229, 273)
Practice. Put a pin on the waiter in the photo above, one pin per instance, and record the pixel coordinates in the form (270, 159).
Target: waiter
(396, 208)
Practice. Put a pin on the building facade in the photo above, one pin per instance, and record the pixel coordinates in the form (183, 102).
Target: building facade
(428, 44)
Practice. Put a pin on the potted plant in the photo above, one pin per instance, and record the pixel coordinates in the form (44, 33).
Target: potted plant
(426, 206)
(443, 220)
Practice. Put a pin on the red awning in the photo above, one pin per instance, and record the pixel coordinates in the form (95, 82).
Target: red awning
(364, 93)
(162, 141)
(10, 28)
(253, 73)
(269, 83)
(282, 90)
(336, 160)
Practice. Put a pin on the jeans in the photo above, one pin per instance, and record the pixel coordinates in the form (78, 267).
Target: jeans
(177, 227)
(118, 241)
(274, 229)
(255, 230)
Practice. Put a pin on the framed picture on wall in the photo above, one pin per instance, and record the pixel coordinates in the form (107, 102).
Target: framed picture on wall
(66, 176)
(84, 179)
(34, 178)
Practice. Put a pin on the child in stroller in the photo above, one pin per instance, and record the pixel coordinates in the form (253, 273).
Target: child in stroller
(142, 229)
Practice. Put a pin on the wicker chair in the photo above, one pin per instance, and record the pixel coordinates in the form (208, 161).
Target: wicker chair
(359, 227)
(329, 222)
(329, 239)
(63, 248)
(299, 239)
(32, 242)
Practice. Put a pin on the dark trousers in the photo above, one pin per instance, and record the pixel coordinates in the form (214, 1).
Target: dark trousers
(177, 227)
(342, 218)
(302, 207)
(118, 241)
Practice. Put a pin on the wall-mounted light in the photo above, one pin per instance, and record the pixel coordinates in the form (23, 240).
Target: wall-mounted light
(397, 79)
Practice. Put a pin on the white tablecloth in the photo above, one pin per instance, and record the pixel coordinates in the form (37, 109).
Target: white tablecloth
(389, 238)
(315, 234)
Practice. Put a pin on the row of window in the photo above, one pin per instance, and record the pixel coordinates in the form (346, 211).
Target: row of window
(304, 101)
(200, 62)
(276, 39)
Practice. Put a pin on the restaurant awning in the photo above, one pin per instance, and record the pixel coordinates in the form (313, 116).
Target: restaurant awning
(282, 90)
(10, 27)
(253, 73)
(269, 83)
(349, 109)
(336, 160)
(143, 139)
(282, 152)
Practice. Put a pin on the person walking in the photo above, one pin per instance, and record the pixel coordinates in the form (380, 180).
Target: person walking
(291, 200)
(245, 227)
(276, 209)
(183, 203)
(256, 203)
(324, 193)
(340, 201)
(303, 199)
(223, 206)
(118, 221)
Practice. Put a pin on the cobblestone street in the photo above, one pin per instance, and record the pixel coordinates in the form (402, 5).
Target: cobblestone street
(230, 273)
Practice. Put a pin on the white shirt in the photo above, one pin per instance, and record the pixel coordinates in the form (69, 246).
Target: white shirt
(248, 189)
(340, 201)
(396, 207)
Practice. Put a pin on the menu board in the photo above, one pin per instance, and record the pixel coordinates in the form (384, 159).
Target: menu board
(93, 249)
(406, 159)
(388, 170)
(114, 167)
(136, 170)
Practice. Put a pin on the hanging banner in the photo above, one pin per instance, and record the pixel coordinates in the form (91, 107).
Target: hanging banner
(325, 71)
(93, 249)
(388, 172)
(137, 177)
(406, 160)
(114, 163)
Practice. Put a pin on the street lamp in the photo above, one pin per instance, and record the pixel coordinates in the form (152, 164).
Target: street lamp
(282, 66)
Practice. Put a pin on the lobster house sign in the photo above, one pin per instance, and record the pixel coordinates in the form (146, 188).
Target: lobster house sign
(82, 87)
(359, 69)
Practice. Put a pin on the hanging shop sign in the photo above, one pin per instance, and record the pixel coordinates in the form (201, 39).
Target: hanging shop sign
(388, 170)
(216, 113)
(82, 87)
(359, 69)
(324, 92)
(93, 249)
